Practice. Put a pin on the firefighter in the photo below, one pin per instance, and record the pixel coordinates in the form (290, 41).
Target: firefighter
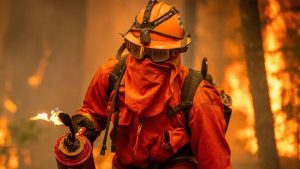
(136, 92)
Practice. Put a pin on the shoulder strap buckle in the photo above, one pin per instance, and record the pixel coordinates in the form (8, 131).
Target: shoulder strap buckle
(186, 104)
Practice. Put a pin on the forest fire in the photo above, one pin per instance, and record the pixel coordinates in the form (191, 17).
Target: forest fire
(49, 52)
(282, 91)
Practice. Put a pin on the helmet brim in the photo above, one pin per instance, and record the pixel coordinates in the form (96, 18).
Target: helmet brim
(174, 44)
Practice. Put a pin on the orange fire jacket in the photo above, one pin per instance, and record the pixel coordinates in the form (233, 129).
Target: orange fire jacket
(141, 139)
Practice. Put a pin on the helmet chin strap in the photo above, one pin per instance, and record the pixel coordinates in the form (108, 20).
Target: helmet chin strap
(120, 51)
(177, 60)
(142, 50)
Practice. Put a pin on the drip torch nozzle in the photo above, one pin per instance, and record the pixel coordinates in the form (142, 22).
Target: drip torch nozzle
(66, 119)
(70, 142)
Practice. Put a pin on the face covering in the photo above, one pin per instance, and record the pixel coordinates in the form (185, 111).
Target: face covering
(149, 86)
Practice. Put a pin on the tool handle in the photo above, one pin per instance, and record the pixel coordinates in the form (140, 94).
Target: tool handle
(204, 68)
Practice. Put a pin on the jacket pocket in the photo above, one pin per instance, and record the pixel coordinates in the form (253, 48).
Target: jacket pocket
(168, 144)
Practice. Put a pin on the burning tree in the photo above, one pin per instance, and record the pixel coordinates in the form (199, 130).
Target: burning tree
(281, 22)
(258, 84)
(280, 29)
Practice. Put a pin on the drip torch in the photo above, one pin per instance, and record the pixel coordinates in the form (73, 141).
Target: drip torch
(73, 150)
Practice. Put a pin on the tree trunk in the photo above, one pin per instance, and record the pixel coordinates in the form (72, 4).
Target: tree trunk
(190, 9)
(4, 13)
(210, 39)
(264, 128)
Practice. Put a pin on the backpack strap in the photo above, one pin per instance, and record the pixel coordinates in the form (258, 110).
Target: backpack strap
(188, 91)
(115, 78)
(115, 74)
(117, 71)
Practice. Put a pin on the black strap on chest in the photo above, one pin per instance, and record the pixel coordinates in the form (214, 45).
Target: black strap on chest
(115, 79)
(188, 91)
(115, 74)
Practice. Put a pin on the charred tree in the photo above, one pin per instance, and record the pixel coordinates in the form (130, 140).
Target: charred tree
(264, 127)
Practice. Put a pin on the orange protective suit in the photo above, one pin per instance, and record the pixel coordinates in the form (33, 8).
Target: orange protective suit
(146, 90)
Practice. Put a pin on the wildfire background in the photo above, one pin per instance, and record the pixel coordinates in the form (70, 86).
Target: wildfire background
(49, 50)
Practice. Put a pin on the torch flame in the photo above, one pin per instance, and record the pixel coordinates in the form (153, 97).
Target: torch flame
(53, 118)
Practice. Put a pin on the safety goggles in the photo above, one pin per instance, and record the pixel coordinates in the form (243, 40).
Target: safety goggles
(156, 55)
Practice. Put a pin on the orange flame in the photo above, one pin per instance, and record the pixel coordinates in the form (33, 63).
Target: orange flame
(5, 138)
(36, 79)
(240, 93)
(13, 161)
(10, 106)
(2, 162)
(53, 118)
(7, 160)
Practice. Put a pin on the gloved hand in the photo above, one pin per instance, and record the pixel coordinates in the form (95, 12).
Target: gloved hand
(80, 121)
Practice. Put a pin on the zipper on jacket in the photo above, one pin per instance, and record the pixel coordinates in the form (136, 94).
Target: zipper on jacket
(140, 125)
(138, 131)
